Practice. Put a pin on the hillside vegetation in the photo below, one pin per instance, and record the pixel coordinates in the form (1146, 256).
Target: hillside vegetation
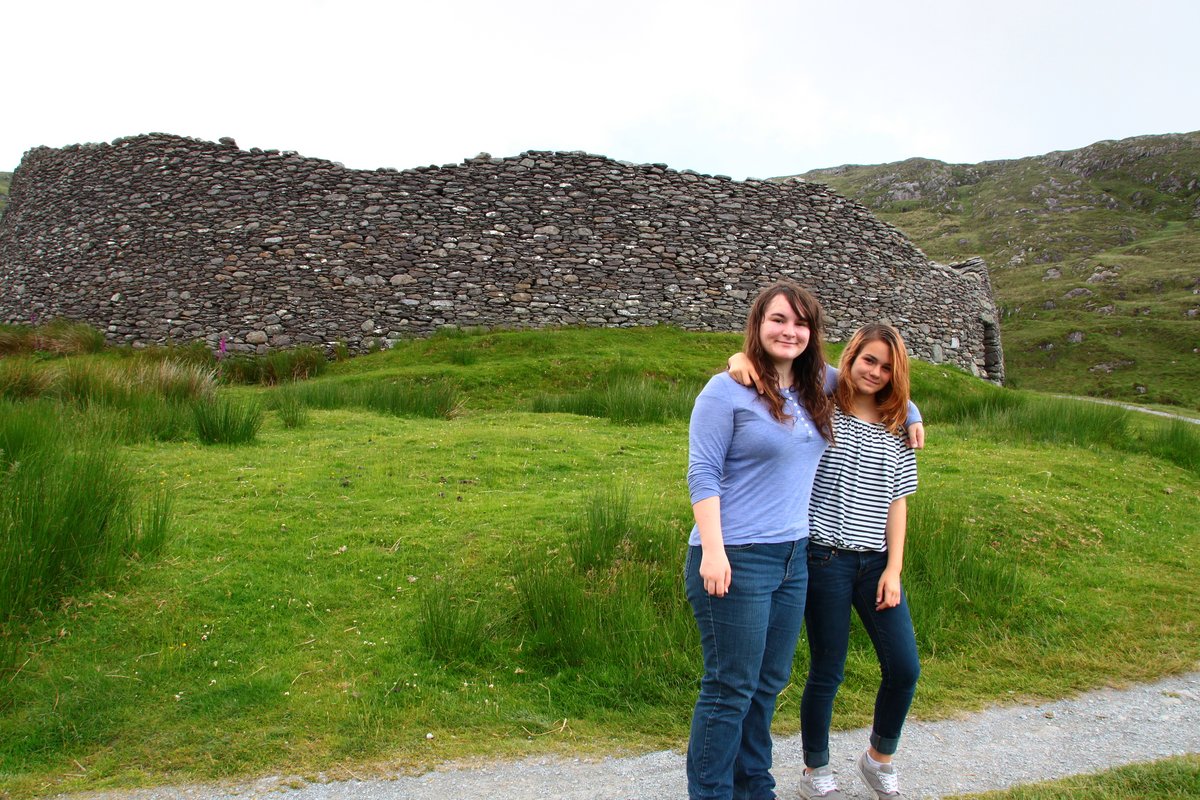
(355, 591)
(1094, 256)
(5, 182)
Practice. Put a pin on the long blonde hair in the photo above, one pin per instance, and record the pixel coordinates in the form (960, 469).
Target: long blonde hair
(892, 399)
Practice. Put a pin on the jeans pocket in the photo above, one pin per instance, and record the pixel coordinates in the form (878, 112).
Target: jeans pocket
(819, 554)
(739, 548)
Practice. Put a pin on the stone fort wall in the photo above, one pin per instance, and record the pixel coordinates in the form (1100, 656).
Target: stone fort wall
(156, 238)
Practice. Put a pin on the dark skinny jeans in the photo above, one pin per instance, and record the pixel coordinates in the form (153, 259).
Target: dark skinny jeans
(838, 580)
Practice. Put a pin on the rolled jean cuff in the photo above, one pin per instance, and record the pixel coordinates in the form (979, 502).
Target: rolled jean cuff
(814, 760)
(882, 745)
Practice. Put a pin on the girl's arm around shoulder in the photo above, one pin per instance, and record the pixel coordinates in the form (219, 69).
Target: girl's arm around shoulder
(915, 431)
(741, 370)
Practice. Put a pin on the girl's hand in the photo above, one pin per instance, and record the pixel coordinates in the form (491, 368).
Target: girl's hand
(741, 371)
(887, 593)
(715, 572)
(916, 433)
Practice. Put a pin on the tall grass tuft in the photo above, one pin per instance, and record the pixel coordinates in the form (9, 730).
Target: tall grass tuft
(153, 526)
(118, 384)
(1026, 417)
(615, 605)
(556, 613)
(240, 369)
(625, 399)
(274, 367)
(463, 356)
(67, 337)
(145, 418)
(195, 353)
(22, 379)
(603, 528)
(956, 582)
(1072, 422)
(226, 420)
(436, 400)
(59, 337)
(295, 364)
(1018, 416)
(67, 512)
(1176, 441)
(132, 401)
(175, 380)
(453, 628)
(609, 602)
(287, 404)
(968, 407)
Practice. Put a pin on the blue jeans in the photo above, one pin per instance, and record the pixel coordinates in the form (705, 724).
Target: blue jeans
(839, 579)
(748, 638)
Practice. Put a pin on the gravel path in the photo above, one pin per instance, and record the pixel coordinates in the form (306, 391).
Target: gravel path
(1129, 407)
(991, 750)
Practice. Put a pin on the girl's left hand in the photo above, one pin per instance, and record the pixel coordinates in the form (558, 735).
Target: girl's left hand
(887, 593)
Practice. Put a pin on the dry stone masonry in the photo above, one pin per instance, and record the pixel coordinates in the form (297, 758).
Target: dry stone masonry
(161, 238)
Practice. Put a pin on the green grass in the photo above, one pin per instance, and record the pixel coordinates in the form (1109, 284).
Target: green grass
(276, 366)
(626, 399)
(286, 402)
(1119, 216)
(1170, 778)
(227, 420)
(57, 337)
(510, 581)
(438, 399)
(69, 514)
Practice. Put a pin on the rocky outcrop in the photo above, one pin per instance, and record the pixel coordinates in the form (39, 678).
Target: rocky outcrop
(158, 237)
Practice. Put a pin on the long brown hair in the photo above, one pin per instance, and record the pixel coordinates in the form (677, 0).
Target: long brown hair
(808, 369)
(892, 399)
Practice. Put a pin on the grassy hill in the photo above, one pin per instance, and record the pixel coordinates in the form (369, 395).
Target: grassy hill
(1094, 255)
(367, 592)
(5, 182)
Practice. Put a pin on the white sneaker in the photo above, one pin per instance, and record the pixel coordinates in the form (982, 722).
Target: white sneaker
(819, 783)
(882, 780)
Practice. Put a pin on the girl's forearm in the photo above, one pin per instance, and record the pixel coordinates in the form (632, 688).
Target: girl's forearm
(894, 534)
(708, 522)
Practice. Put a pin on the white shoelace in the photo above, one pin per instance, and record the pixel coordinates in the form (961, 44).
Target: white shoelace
(824, 783)
(890, 782)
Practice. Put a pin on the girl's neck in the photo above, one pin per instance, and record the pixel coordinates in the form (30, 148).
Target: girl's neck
(785, 376)
(864, 407)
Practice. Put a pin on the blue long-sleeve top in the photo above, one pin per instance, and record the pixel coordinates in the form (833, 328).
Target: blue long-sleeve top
(762, 469)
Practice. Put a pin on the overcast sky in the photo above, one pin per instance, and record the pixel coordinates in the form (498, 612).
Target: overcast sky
(754, 88)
